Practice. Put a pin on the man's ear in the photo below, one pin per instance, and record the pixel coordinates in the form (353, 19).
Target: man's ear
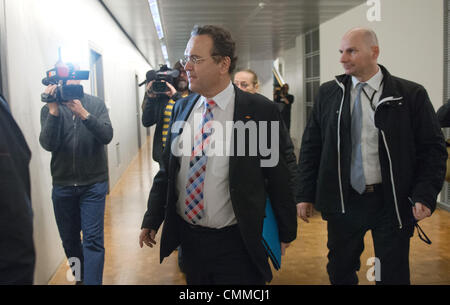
(375, 52)
(225, 64)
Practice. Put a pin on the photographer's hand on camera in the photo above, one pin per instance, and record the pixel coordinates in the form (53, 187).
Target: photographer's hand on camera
(172, 91)
(49, 96)
(148, 90)
(77, 109)
(151, 94)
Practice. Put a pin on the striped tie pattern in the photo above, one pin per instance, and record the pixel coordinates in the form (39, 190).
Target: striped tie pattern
(166, 118)
(197, 167)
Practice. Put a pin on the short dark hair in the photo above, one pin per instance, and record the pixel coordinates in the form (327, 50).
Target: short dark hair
(223, 44)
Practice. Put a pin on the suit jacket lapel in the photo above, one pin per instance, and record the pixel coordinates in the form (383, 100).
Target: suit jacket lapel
(242, 112)
(182, 117)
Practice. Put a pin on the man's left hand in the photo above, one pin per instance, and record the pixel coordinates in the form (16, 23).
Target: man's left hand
(172, 91)
(421, 211)
(77, 108)
(284, 246)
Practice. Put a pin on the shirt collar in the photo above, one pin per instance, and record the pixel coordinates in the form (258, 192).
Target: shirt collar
(374, 83)
(222, 99)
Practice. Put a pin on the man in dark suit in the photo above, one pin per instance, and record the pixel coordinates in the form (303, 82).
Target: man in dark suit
(213, 203)
(17, 253)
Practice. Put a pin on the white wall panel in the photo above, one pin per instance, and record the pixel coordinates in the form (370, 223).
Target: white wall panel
(410, 34)
(34, 31)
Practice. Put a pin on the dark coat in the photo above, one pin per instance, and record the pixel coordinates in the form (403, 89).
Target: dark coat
(411, 148)
(247, 180)
(153, 113)
(17, 254)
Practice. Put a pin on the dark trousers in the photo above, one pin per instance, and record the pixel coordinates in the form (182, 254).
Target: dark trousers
(82, 208)
(346, 240)
(217, 257)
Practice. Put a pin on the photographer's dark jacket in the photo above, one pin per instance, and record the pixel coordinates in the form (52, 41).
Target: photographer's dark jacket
(411, 148)
(153, 113)
(77, 146)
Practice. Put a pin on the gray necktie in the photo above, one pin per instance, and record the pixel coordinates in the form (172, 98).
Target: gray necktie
(357, 179)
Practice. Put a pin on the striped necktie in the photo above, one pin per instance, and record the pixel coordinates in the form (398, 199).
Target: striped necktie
(194, 209)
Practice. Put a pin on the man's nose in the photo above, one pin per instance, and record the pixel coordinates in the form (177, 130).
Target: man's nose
(189, 66)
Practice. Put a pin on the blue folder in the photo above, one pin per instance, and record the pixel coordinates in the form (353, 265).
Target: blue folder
(271, 238)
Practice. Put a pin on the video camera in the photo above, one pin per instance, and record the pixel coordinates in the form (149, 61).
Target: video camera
(164, 74)
(59, 75)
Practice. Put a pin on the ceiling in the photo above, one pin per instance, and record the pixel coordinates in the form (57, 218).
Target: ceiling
(260, 28)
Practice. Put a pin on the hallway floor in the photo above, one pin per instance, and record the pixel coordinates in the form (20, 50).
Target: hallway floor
(305, 262)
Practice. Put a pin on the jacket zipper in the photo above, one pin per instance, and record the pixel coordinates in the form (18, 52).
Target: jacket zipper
(385, 144)
(74, 147)
(390, 160)
(339, 145)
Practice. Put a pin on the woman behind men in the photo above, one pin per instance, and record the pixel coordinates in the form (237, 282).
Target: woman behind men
(247, 80)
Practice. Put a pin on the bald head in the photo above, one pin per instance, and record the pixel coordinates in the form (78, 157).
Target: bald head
(367, 35)
(360, 50)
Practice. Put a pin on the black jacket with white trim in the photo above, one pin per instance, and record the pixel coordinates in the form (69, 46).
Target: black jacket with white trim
(411, 148)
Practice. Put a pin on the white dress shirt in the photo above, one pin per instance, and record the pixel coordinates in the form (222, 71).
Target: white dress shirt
(369, 133)
(218, 210)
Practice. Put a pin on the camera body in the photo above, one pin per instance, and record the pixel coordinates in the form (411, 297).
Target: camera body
(59, 75)
(164, 74)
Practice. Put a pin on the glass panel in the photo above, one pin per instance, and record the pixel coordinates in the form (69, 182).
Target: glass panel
(309, 67)
(308, 44)
(316, 66)
(315, 41)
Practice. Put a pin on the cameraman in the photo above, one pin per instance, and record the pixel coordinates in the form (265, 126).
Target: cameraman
(286, 100)
(157, 107)
(76, 132)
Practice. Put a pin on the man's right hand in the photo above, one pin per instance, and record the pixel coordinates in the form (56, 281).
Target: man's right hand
(147, 237)
(305, 210)
(53, 106)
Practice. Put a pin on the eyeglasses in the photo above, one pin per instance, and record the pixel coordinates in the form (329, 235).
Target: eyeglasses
(193, 59)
